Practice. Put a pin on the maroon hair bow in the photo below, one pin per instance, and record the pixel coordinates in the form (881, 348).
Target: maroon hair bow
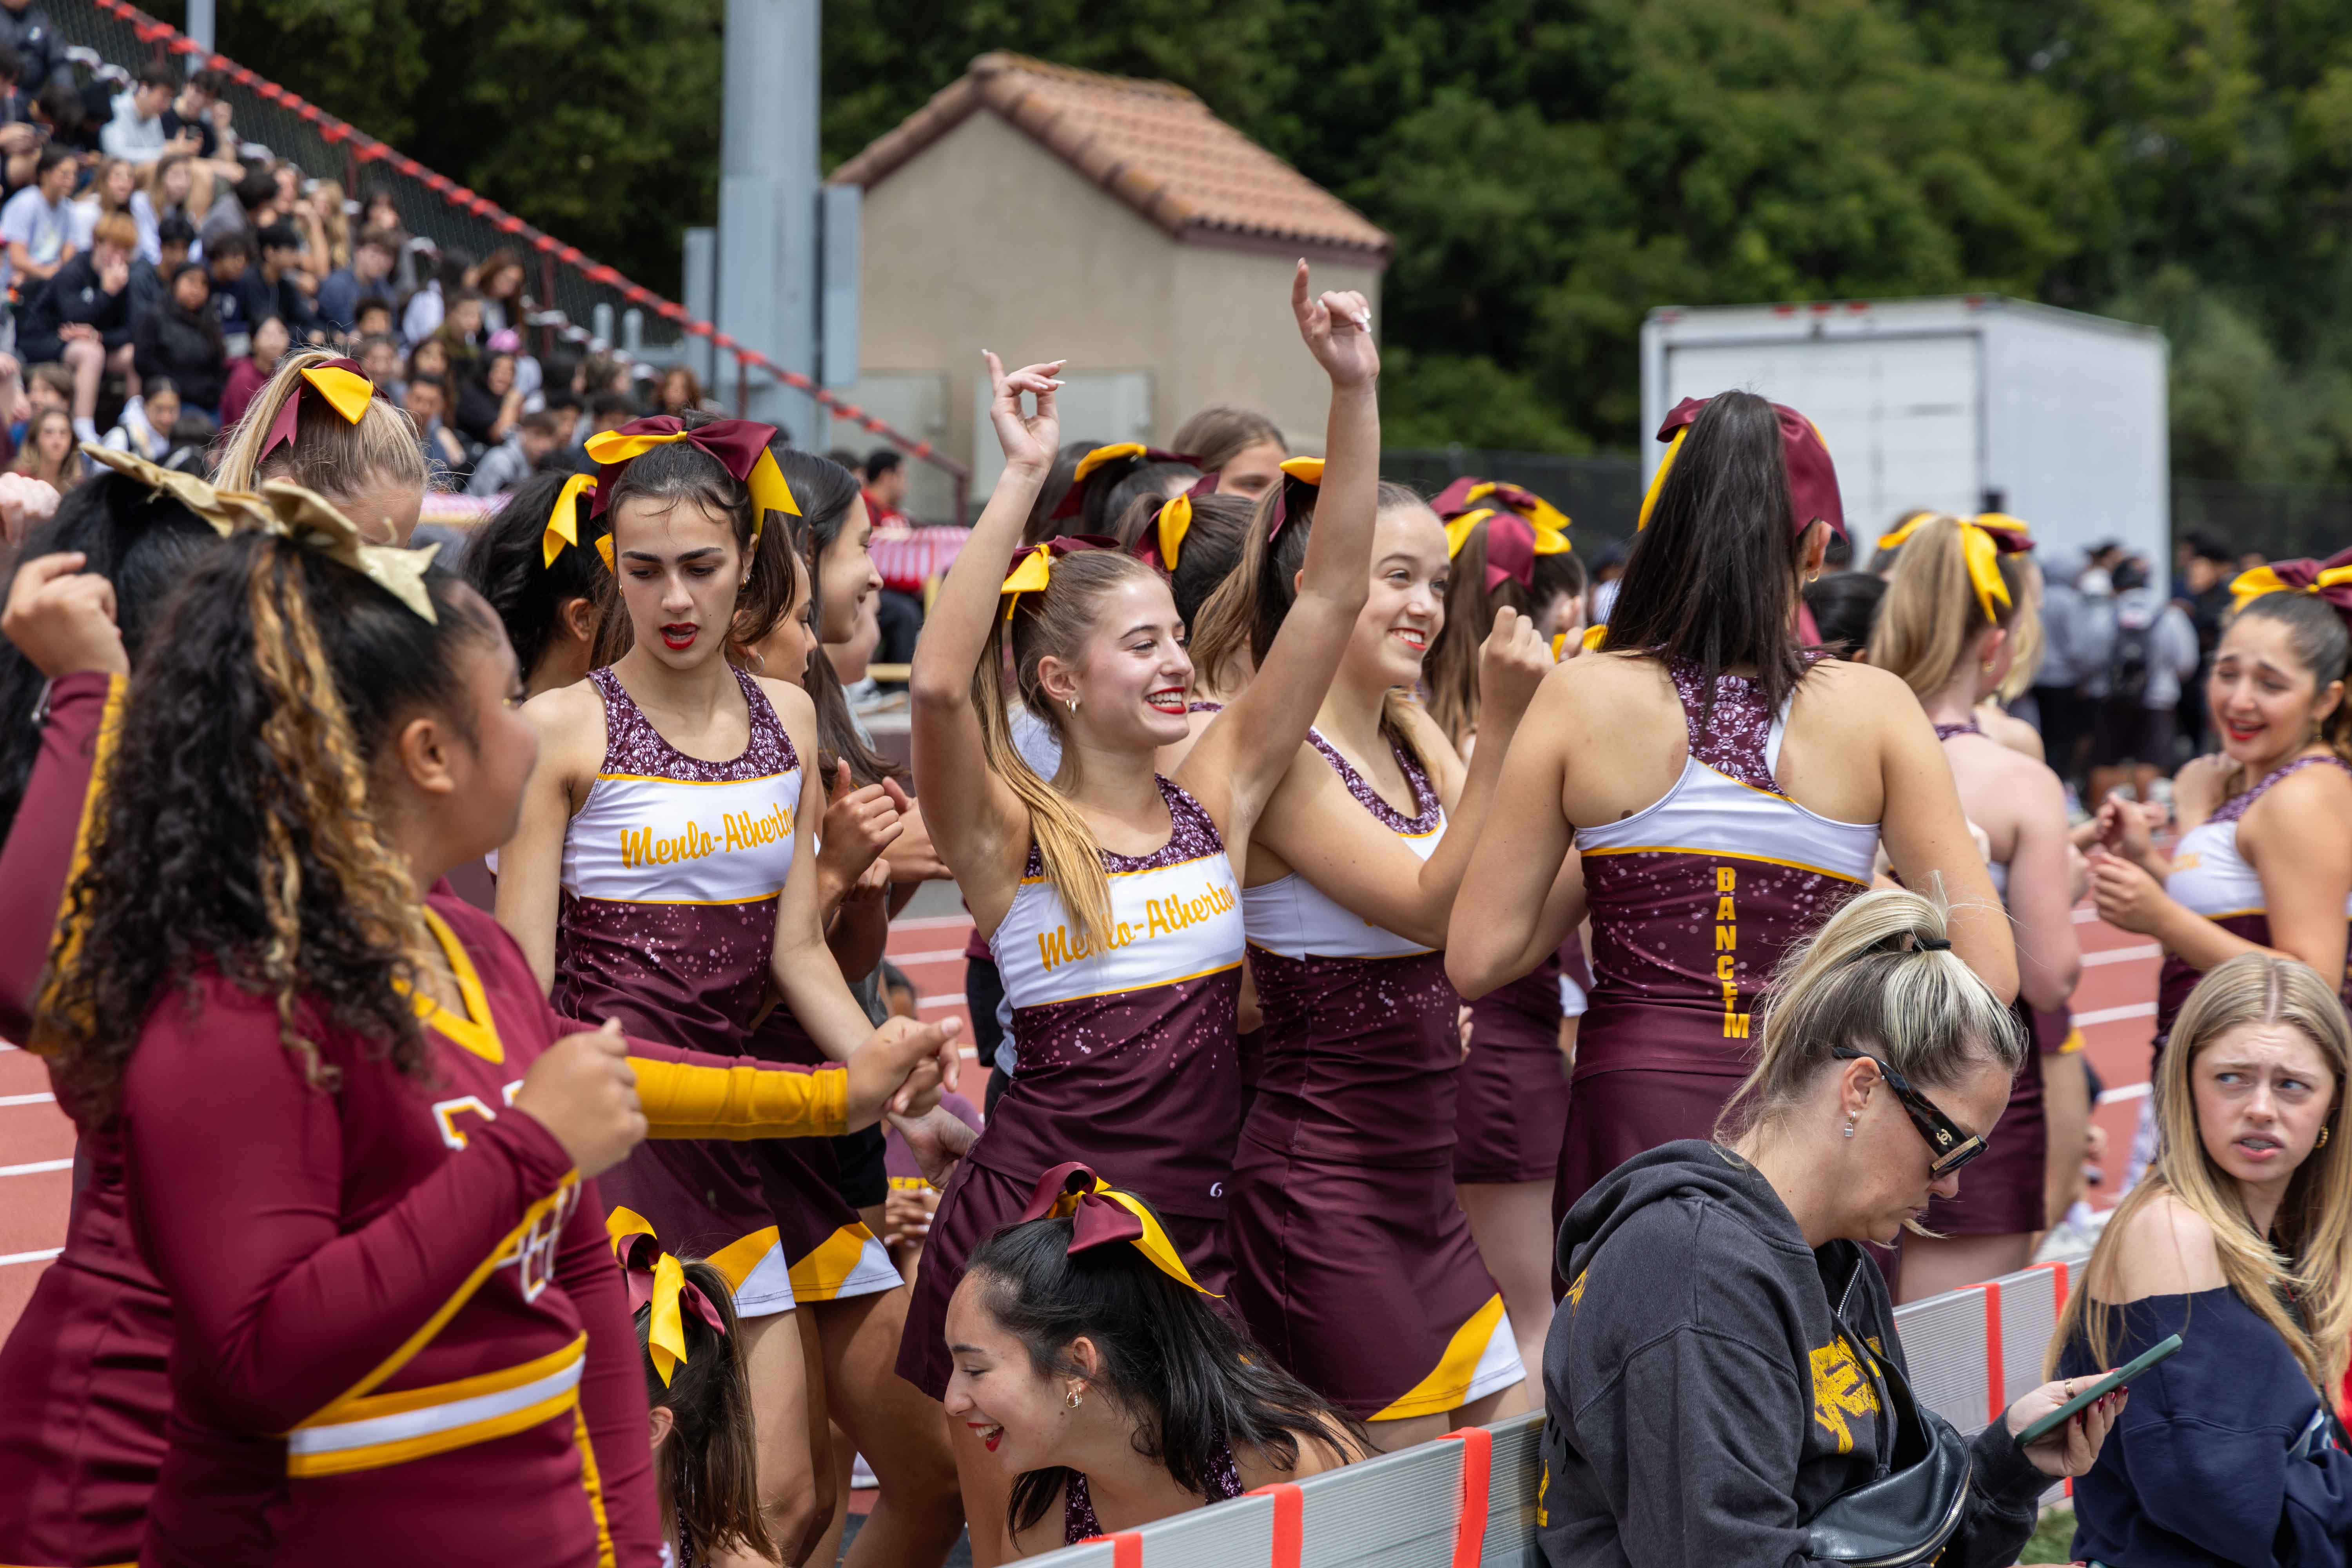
(1101, 458)
(1033, 566)
(1813, 478)
(740, 445)
(2330, 581)
(346, 389)
(1101, 1215)
(658, 1281)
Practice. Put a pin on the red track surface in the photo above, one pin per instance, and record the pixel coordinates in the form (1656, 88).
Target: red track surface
(2116, 1003)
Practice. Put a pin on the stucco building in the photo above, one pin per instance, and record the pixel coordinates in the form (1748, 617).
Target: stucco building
(1045, 212)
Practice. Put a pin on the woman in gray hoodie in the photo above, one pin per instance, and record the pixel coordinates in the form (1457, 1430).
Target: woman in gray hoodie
(1720, 1369)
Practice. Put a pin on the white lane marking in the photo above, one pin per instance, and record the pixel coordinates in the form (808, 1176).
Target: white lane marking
(36, 1167)
(43, 1255)
(2086, 915)
(2123, 955)
(951, 999)
(940, 955)
(932, 922)
(2114, 1014)
(27, 1098)
(2128, 1091)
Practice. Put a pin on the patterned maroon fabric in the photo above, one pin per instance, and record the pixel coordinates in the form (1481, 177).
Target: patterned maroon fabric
(1191, 835)
(1351, 1043)
(1427, 809)
(2235, 806)
(1946, 732)
(633, 746)
(1078, 1522)
(1738, 731)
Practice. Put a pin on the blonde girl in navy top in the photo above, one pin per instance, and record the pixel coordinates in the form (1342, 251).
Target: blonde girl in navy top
(2264, 859)
(1105, 893)
(1724, 791)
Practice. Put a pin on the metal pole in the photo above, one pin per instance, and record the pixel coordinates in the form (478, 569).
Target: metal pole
(766, 197)
(200, 28)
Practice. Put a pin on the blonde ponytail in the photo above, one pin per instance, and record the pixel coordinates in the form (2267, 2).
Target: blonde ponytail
(329, 454)
(1881, 976)
(1931, 613)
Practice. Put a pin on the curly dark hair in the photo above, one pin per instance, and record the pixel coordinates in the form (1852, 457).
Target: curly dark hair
(140, 541)
(1194, 1381)
(506, 564)
(236, 833)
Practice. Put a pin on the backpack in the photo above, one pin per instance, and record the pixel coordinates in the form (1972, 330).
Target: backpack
(2128, 660)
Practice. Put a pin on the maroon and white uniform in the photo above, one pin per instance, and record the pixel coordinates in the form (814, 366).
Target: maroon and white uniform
(1352, 1261)
(1693, 900)
(2211, 878)
(1127, 1063)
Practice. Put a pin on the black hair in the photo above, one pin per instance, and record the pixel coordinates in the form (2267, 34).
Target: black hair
(256, 189)
(52, 154)
(561, 398)
(62, 106)
(880, 461)
(1042, 524)
(451, 269)
(2318, 636)
(506, 563)
(228, 246)
(1210, 550)
(825, 492)
(158, 73)
(1844, 605)
(1111, 489)
(603, 405)
(137, 539)
(711, 1460)
(1712, 581)
(279, 235)
(12, 65)
(235, 833)
(174, 229)
(1196, 1386)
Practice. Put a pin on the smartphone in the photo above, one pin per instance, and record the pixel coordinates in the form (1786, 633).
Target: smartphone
(2097, 1391)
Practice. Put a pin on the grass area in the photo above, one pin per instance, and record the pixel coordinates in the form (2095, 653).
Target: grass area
(2052, 1539)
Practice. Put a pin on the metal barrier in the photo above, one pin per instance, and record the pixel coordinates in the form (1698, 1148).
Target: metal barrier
(1471, 1503)
(574, 295)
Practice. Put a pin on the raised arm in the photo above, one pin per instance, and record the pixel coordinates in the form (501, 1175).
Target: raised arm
(1506, 910)
(531, 864)
(1248, 747)
(976, 822)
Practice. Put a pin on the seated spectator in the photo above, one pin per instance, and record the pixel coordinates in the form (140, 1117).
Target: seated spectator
(379, 210)
(167, 194)
(240, 299)
(677, 391)
(606, 372)
(507, 465)
(28, 30)
(460, 333)
(16, 103)
(1110, 1389)
(431, 358)
(421, 317)
(282, 293)
(173, 238)
(564, 405)
(136, 133)
(47, 386)
(426, 399)
(2238, 1240)
(489, 403)
(374, 320)
(49, 452)
(379, 359)
(242, 210)
(201, 114)
(110, 192)
(83, 317)
(1726, 1366)
(606, 411)
(500, 285)
(249, 374)
(361, 281)
(37, 223)
(325, 229)
(192, 440)
(181, 340)
(147, 421)
(58, 108)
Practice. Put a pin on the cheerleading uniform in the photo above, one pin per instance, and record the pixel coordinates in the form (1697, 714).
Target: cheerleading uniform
(829, 1253)
(2211, 879)
(1693, 899)
(1514, 1087)
(672, 868)
(1353, 1262)
(1127, 1064)
(2004, 1191)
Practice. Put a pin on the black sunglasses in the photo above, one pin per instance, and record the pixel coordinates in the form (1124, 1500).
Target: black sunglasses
(1949, 1147)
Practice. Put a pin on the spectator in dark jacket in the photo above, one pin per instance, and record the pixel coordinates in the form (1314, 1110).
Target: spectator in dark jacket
(26, 27)
(181, 340)
(82, 317)
(240, 299)
(347, 288)
(487, 404)
(244, 210)
(173, 236)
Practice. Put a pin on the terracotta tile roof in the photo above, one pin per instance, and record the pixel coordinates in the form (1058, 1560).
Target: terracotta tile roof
(1150, 144)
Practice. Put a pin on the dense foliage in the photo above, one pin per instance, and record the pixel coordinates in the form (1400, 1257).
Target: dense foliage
(1551, 169)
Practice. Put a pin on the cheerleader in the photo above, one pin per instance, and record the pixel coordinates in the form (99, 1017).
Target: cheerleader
(1726, 792)
(1105, 893)
(1957, 604)
(550, 588)
(1510, 551)
(1240, 448)
(2264, 859)
(662, 874)
(319, 423)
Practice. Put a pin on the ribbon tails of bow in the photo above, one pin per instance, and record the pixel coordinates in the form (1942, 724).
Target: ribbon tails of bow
(1161, 541)
(338, 382)
(1984, 540)
(1101, 1215)
(1034, 567)
(657, 1278)
(290, 513)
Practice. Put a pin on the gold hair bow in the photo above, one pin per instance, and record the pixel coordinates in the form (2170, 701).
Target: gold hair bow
(1978, 545)
(1034, 567)
(1105, 1217)
(740, 445)
(1595, 635)
(658, 1279)
(1175, 521)
(293, 513)
(563, 521)
(2330, 579)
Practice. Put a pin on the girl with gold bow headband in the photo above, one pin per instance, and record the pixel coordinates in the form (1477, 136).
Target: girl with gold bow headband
(1082, 1345)
(1957, 607)
(1722, 790)
(1123, 987)
(665, 870)
(536, 561)
(2265, 859)
(320, 424)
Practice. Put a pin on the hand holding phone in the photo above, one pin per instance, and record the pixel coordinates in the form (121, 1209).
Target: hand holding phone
(2119, 1378)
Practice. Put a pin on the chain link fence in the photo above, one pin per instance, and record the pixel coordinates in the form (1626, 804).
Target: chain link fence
(2280, 521)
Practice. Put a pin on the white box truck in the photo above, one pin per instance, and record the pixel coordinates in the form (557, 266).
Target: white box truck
(1968, 404)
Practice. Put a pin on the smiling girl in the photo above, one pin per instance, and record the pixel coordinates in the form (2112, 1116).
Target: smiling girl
(2265, 859)
(1105, 892)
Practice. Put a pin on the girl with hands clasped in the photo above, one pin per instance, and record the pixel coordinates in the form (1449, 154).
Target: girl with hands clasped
(1354, 1264)
(2265, 859)
(1105, 891)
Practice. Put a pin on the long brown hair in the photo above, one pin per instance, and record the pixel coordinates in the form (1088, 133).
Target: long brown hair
(1220, 433)
(2310, 1263)
(711, 1460)
(1452, 674)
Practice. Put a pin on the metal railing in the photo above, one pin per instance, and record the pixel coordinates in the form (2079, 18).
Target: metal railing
(571, 291)
(1971, 1353)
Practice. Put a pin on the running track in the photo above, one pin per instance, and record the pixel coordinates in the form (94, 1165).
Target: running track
(2114, 1004)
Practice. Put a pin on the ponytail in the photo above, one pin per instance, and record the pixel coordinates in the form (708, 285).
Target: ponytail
(1880, 976)
(1935, 609)
(710, 1460)
(338, 457)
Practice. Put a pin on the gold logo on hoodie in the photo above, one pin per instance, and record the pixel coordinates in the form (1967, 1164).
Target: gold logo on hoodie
(1841, 1388)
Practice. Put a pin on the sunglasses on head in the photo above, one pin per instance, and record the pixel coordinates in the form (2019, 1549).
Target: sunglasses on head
(1948, 1148)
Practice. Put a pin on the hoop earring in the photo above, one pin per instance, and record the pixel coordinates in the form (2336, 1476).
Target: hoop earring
(2323, 1137)
(1074, 1398)
(1074, 708)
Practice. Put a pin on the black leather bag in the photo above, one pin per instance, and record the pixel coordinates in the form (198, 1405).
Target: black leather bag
(1906, 1516)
